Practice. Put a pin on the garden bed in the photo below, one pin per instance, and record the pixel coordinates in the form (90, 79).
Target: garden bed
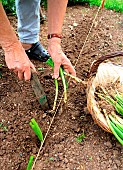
(62, 150)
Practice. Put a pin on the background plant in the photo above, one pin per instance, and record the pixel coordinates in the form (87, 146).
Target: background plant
(9, 6)
(116, 5)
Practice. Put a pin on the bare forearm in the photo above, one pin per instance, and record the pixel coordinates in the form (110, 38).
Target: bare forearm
(7, 35)
(56, 12)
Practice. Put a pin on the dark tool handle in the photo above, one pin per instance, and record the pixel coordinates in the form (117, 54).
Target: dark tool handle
(96, 63)
(39, 91)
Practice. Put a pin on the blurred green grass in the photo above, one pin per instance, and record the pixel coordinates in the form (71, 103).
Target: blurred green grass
(116, 5)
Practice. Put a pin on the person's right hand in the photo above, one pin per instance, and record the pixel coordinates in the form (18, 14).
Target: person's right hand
(59, 58)
(17, 61)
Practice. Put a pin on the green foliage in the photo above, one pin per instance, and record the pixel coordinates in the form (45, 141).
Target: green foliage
(51, 159)
(4, 128)
(80, 138)
(44, 3)
(116, 5)
(29, 166)
(34, 125)
(9, 6)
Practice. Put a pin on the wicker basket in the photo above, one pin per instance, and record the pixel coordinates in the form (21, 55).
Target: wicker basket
(101, 73)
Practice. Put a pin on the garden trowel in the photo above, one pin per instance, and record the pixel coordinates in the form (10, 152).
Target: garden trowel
(39, 91)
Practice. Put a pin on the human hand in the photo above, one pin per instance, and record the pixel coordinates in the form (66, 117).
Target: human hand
(17, 61)
(59, 58)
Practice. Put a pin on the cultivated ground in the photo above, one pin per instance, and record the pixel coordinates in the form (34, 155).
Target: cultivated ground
(61, 151)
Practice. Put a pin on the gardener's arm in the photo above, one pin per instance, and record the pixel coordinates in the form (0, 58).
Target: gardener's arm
(15, 56)
(56, 12)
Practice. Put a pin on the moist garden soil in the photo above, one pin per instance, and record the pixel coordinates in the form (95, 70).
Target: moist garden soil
(99, 150)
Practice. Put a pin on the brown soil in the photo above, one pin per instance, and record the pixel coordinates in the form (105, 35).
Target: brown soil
(99, 150)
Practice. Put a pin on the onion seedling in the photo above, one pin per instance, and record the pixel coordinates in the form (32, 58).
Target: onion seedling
(29, 166)
(113, 129)
(56, 95)
(34, 125)
(117, 106)
(41, 69)
(51, 63)
(74, 78)
(119, 99)
(116, 122)
(119, 119)
(64, 83)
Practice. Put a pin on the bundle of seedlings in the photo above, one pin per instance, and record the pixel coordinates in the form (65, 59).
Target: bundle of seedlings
(105, 94)
(111, 105)
(63, 75)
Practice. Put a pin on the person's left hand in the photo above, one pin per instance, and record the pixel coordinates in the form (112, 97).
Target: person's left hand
(17, 61)
(59, 58)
